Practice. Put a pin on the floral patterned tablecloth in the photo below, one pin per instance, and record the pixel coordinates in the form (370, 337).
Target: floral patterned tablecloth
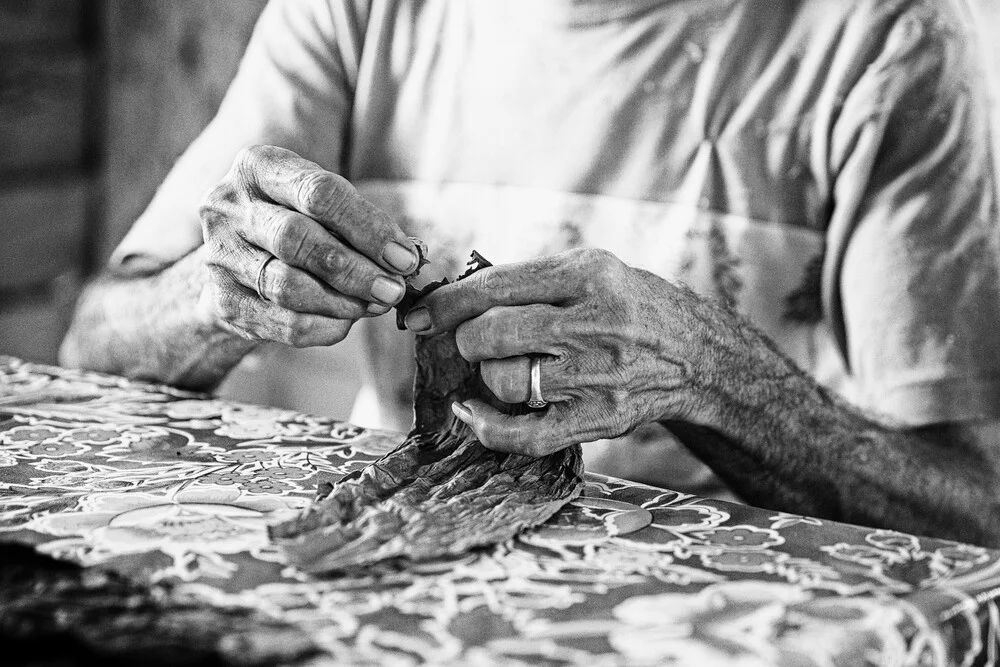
(166, 486)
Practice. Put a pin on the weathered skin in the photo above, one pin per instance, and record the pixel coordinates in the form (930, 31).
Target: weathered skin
(332, 259)
(440, 492)
(622, 347)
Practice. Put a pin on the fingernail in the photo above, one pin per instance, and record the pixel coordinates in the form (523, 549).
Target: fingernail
(378, 308)
(418, 320)
(386, 290)
(462, 412)
(399, 257)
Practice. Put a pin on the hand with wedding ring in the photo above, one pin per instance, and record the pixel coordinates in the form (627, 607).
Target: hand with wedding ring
(295, 254)
(599, 346)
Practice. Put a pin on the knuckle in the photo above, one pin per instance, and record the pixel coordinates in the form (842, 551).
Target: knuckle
(598, 256)
(212, 198)
(619, 408)
(491, 281)
(236, 311)
(379, 227)
(295, 331)
(212, 211)
(322, 194)
(607, 263)
(285, 237)
(245, 164)
(620, 424)
(599, 268)
(619, 400)
(558, 328)
(247, 156)
(608, 419)
(575, 255)
(347, 275)
(338, 262)
(281, 284)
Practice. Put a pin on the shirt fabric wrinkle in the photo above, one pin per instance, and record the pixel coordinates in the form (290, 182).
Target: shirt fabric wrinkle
(732, 165)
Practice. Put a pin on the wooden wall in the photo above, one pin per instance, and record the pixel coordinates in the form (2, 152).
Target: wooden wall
(50, 104)
(169, 64)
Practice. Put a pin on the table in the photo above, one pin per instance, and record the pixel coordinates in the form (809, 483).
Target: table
(162, 485)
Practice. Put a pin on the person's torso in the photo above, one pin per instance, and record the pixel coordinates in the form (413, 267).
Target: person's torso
(679, 135)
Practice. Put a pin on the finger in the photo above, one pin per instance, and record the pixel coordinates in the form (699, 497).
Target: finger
(288, 179)
(234, 260)
(237, 262)
(510, 379)
(260, 320)
(549, 280)
(298, 291)
(533, 434)
(301, 242)
(376, 309)
(509, 331)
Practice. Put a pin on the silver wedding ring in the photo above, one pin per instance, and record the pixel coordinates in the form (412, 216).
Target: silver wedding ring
(260, 278)
(536, 400)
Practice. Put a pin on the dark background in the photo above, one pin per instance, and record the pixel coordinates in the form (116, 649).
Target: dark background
(97, 100)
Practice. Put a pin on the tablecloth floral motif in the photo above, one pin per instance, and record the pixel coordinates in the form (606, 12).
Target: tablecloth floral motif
(165, 485)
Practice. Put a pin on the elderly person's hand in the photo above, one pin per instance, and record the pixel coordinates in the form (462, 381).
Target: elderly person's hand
(618, 347)
(295, 254)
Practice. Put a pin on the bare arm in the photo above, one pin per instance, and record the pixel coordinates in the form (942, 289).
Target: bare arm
(154, 326)
(784, 442)
(939, 480)
(292, 255)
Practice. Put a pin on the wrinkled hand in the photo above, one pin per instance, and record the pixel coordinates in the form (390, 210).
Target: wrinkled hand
(336, 258)
(615, 344)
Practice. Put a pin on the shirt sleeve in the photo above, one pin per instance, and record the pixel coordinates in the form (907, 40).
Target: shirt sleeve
(912, 274)
(292, 89)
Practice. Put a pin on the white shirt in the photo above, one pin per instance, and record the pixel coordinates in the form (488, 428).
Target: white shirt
(825, 166)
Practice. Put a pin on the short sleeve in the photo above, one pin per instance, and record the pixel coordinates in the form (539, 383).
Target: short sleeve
(913, 266)
(291, 90)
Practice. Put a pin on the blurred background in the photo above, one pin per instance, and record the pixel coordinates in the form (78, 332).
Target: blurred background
(97, 100)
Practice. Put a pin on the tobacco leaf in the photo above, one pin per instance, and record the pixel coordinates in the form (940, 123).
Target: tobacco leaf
(439, 493)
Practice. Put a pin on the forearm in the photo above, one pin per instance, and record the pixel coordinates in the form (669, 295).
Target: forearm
(782, 441)
(151, 327)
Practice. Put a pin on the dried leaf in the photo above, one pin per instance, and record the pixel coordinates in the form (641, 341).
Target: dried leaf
(440, 492)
